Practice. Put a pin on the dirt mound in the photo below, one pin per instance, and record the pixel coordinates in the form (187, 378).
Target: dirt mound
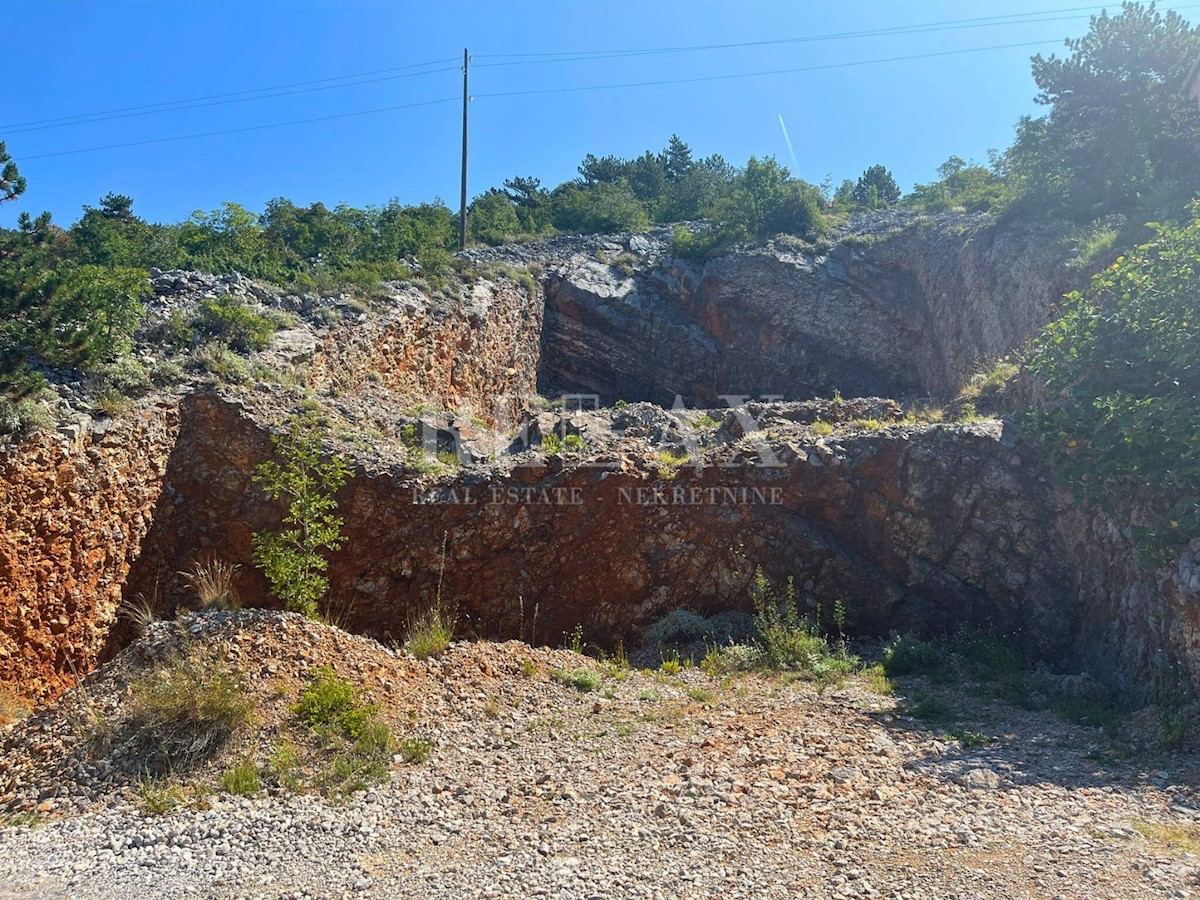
(239, 677)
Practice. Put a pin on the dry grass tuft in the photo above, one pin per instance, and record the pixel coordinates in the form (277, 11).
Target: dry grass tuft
(1182, 837)
(213, 582)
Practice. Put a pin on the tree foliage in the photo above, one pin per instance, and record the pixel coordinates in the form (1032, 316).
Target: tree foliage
(875, 188)
(12, 185)
(307, 481)
(1122, 367)
(1120, 136)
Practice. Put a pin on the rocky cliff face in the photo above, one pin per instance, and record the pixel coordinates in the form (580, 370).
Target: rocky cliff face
(909, 526)
(899, 307)
(477, 353)
(74, 509)
(912, 527)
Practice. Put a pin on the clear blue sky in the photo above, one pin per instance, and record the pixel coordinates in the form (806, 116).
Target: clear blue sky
(68, 57)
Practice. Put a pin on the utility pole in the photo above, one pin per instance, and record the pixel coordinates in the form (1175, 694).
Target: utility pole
(462, 209)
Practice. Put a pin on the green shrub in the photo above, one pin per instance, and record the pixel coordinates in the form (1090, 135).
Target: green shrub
(679, 626)
(1122, 372)
(127, 376)
(583, 679)
(906, 654)
(330, 706)
(292, 559)
(229, 320)
(24, 415)
(219, 361)
(693, 246)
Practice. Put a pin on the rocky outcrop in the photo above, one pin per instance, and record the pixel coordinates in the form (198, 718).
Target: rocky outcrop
(1141, 627)
(923, 527)
(910, 527)
(75, 507)
(907, 310)
(477, 353)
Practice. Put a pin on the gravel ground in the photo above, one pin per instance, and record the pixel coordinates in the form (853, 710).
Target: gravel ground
(653, 786)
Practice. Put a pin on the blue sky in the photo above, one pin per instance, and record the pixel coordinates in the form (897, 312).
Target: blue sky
(69, 57)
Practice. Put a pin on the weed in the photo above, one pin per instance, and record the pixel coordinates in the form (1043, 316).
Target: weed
(990, 381)
(415, 750)
(158, 796)
(241, 779)
(529, 668)
(821, 428)
(649, 696)
(429, 634)
(671, 667)
(574, 641)
(868, 424)
(112, 402)
(876, 680)
(789, 642)
(212, 581)
(492, 708)
(13, 707)
(930, 709)
(283, 764)
(183, 710)
(20, 820)
(969, 739)
(671, 459)
(583, 679)
(700, 695)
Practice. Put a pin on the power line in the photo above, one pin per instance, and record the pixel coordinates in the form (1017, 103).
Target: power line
(944, 25)
(844, 65)
(151, 112)
(302, 87)
(564, 90)
(277, 87)
(186, 137)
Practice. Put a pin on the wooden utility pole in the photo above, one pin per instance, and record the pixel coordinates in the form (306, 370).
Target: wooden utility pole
(462, 208)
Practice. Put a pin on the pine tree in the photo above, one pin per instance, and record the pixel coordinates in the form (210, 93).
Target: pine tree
(876, 188)
(678, 158)
(12, 185)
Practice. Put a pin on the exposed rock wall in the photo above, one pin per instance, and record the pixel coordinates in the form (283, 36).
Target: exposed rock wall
(907, 312)
(479, 353)
(916, 527)
(74, 509)
(1141, 628)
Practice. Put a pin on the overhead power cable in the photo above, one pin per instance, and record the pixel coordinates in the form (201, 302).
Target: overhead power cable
(9, 129)
(151, 112)
(203, 134)
(564, 90)
(514, 59)
(788, 71)
(1032, 17)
